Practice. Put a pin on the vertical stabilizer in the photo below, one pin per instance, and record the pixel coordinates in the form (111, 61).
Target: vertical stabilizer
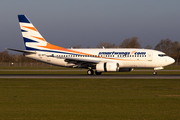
(32, 38)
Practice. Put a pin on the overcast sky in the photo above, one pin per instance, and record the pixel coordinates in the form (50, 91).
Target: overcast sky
(88, 22)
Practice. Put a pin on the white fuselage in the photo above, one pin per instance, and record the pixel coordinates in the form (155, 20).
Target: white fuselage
(127, 58)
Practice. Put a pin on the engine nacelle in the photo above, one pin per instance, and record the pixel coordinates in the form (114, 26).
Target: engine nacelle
(107, 67)
(125, 69)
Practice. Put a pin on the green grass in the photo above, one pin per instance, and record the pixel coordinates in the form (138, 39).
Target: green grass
(173, 67)
(88, 99)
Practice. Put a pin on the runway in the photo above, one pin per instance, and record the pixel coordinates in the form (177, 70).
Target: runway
(68, 70)
(91, 76)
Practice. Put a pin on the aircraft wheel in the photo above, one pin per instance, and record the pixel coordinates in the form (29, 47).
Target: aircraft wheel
(154, 73)
(98, 73)
(90, 72)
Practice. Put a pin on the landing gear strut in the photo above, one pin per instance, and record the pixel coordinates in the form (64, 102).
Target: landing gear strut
(154, 72)
(90, 72)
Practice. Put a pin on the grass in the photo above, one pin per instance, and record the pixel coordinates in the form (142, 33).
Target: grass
(173, 67)
(79, 99)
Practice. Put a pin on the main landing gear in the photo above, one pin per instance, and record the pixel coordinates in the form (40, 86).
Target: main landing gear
(91, 72)
(98, 73)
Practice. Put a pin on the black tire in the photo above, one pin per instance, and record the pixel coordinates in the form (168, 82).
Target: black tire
(90, 72)
(154, 73)
(98, 73)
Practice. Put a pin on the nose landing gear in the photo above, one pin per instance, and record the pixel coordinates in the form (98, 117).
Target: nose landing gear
(154, 73)
(157, 68)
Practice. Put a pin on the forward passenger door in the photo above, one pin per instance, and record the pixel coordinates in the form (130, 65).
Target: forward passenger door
(150, 56)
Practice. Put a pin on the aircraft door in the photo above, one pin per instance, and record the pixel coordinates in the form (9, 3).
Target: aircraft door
(150, 56)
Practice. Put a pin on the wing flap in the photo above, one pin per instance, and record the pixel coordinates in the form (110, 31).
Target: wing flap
(80, 63)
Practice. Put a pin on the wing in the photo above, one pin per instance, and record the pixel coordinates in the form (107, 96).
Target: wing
(80, 63)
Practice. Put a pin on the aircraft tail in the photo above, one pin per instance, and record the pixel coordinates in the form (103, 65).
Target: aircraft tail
(32, 38)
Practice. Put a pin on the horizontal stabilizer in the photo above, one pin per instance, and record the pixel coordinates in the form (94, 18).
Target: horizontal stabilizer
(24, 51)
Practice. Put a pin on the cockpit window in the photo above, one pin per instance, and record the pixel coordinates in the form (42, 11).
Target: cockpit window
(162, 55)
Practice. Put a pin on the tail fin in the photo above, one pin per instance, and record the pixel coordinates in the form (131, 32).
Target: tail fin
(32, 38)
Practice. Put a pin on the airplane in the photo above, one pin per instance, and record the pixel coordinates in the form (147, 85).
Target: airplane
(96, 59)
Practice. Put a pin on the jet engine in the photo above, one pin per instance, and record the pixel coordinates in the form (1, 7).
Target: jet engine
(107, 67)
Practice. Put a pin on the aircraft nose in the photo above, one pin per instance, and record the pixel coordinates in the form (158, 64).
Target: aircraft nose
(171, 60)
